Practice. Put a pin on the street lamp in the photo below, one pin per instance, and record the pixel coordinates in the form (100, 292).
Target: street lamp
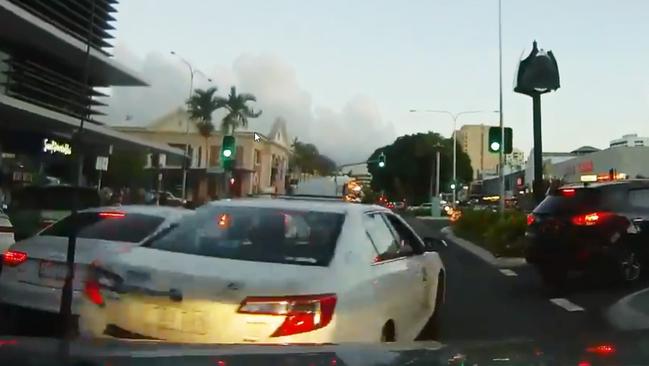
(455, 117)
(192, 72)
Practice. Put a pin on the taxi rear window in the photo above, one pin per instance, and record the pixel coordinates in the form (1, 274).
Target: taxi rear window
(256, 234)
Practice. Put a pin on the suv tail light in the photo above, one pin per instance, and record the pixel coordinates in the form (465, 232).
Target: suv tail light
(303, 313)
(13, 258)
(590, 219)
(530, 219)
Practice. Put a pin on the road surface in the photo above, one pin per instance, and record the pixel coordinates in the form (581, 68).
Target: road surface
(484, 302)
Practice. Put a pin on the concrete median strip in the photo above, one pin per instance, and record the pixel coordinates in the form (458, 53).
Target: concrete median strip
(482, 253)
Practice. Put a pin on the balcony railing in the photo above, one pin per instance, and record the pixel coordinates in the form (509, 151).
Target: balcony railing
(32, 82)
(73, 17)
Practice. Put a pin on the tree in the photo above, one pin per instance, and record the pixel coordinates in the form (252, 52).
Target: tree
(307, 159)
(200, 106)
(410, 162)
(238, 110)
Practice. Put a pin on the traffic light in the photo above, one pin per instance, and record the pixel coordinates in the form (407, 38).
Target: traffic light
(227, 152)
(381, 160)
(495, 143)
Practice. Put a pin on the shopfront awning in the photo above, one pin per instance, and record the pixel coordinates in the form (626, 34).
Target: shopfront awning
(22, 116)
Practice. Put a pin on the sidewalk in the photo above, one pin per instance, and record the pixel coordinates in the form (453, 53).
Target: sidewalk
(482, 253)
(631, 312)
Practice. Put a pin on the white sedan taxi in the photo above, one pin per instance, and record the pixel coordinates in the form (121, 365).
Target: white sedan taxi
(281, 270)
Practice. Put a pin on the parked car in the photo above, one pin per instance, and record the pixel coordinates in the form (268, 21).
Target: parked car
(6, 232)
(34, 208)
(271, 271)
(598, 228)
(34, 269)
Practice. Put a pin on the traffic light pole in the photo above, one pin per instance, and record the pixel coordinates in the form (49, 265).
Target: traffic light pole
(538, 149)
(501, 155)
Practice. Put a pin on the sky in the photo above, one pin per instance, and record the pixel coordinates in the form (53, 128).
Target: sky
(344, 74)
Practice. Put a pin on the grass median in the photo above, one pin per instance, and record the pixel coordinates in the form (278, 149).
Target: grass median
(502, 236)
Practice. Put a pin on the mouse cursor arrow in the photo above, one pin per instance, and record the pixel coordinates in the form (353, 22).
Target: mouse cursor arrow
(257, 136)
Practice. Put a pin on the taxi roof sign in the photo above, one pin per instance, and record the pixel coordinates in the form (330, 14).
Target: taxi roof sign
(589, 178)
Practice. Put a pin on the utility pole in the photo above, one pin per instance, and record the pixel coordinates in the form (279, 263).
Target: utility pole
(65, 309)
(186, 162)
(501, 155)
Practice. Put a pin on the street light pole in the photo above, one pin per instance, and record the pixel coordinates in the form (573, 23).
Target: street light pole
(192, 72)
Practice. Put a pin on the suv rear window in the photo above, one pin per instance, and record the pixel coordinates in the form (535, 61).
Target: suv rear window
(132, 228)
(256, 234)
(569, 201)
(53, 198)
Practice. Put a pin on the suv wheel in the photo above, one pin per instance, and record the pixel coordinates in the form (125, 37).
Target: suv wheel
(629, 266)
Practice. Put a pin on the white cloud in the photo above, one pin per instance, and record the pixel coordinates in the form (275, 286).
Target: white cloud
(347, 134)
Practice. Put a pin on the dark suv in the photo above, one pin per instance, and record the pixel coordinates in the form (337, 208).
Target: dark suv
(593, 228)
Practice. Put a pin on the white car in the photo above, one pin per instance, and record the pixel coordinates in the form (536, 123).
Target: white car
(6, 232)
(34, 269)
(271, 271)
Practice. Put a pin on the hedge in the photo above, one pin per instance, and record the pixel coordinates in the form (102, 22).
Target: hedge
(502, 236)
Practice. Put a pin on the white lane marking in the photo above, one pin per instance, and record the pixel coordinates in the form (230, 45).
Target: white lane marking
(508, 272)
(566, 304)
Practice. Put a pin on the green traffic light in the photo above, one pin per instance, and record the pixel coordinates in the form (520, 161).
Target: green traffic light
(381, 164)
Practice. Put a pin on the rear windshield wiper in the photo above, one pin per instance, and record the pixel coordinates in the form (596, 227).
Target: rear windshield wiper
(159, 234)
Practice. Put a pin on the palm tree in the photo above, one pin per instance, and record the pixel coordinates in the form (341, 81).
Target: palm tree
(238, 110)
(200, 106)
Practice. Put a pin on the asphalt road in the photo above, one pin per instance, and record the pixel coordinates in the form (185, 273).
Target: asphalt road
(484, 302)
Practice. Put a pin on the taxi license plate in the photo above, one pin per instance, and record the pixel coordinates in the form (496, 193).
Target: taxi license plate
(53, 270)
(181, 320)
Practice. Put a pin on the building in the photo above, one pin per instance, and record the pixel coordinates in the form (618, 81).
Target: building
(549, 161)
(515, 160)
(51, 61)
(359, 173)
(630, 140)
(627, 161)
(261, 165)
(474, 140)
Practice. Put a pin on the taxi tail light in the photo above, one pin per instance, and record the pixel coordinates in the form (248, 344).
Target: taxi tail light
(93, 292)
(591, 218)
(303, 313)
(13, 258)
(99, 279)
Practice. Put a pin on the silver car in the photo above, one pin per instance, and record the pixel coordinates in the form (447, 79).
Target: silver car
(33, 270)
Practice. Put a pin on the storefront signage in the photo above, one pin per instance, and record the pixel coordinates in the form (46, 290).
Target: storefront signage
(52, 146)
(586, 166)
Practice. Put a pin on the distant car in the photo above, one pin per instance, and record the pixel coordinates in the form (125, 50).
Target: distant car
(34, 269)
(600, 229)
(271, 271)
(35, 207)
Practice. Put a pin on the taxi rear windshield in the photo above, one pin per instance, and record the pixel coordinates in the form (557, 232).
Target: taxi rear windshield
(570, 201)
(256, 234)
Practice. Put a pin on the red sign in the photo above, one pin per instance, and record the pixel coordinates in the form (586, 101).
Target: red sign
(585, 166)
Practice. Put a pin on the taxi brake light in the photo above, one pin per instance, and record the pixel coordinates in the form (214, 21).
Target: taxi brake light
(302, 313)
(13, 258)
(112, 215)
(568, 192)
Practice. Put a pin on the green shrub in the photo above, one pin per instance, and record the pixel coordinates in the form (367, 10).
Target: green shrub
(506, 237)
(501, 236)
